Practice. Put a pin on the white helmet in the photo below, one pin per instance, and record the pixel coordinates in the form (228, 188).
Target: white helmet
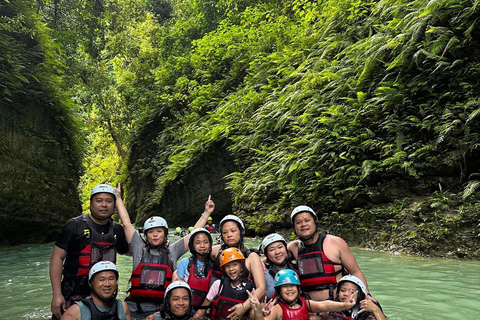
(271, 238)
(102, 266)
(192, 238)
(154, 222)
(355, 280)
(301, 209)
(178, 284)
(103, 188)
(231, 217)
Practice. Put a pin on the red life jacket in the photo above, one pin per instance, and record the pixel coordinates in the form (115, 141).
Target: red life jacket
(228, 297)
(199, 286)
(315, 270)
(151, 277)
(100, 247)
(210, 228)
(294, 314)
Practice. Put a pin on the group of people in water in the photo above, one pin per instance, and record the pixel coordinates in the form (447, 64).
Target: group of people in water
(314, 277)
(210, 226)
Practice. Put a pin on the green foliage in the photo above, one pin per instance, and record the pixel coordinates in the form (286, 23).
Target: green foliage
(342, 105)
(321, 102)
(40, 151)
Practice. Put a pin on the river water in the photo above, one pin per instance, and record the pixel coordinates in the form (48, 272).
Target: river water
(407, 287)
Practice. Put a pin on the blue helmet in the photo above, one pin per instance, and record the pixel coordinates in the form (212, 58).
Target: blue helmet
(286, 276)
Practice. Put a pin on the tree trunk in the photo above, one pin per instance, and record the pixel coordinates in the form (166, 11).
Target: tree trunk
(121, 152)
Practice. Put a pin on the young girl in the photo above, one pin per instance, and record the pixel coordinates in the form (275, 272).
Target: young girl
(230, 292)
(291, 306)
(153, 263)
(232, 231)
(363, 309)
(197, 270)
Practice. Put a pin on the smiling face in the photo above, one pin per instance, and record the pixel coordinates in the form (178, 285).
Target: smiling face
(347, 289)
(201, 243)
(155, 236)
(101, 206)
(289, 292)
(233, 270)
(230, 234)
(304, 225)
(276, 252)
(179, 302)
(105, 284)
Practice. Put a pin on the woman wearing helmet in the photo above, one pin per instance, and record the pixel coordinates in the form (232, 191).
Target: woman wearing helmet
(177, 304)
(197, 270)
(102, 302)
(276, 258)
(153, 263)
(364, 309)
(232, 231)
(231, 290)
(292, 306)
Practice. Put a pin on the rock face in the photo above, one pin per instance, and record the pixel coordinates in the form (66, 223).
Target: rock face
(184, 199)
(39, 167)
(38, 185)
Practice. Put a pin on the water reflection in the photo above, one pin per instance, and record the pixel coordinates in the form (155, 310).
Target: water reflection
(407, 287)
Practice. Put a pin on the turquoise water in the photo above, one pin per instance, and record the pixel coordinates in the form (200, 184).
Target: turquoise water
(407, 287)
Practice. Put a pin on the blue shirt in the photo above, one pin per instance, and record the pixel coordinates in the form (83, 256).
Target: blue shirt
(182, 268)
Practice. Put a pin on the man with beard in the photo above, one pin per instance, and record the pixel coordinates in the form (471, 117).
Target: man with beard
(322, 259)
(83, 241)
(102, 302)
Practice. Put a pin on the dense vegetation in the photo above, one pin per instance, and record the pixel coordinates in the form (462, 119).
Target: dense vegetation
(365, 110)
(39, 148)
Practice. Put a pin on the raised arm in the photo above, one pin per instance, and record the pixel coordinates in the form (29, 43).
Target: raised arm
(128, 227)
(202, 221)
